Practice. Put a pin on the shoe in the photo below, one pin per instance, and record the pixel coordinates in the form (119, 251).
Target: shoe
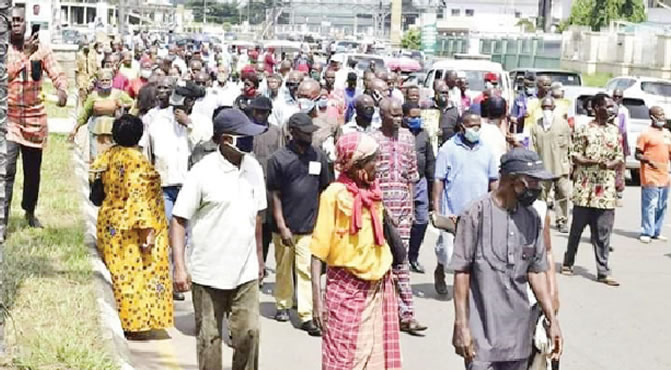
(311, 328)
(660, 238)
(33, 221)
(412, 327)
(567, 270)
(282, 315)
(439, 280)
(417, 267)
(644, 239)
(563, 228)
(608, 281)
(178, 296)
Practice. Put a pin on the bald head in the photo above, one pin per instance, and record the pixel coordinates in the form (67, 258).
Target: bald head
(391, 112)
(657, 116)
(309, 89)
(451, 79)
(543, 85)
(378, 85)
(362, 101)
(202, 78)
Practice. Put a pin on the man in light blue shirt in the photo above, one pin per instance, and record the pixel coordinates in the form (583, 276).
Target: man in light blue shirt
(466, 169)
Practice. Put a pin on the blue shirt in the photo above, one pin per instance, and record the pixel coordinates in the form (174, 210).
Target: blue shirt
(466, 173)
(350, 95)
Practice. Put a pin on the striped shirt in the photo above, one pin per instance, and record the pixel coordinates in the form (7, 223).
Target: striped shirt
(27, 117)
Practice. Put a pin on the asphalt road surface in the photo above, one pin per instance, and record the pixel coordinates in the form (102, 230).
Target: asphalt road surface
(626, 327)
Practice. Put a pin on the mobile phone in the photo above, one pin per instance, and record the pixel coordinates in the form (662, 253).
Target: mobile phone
(35, 28)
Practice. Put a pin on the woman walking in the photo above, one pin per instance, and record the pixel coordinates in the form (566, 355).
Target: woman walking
(132, 231)
(359, 317)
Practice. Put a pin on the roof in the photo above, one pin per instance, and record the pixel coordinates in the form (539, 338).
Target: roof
(546, 70)
(467, 65)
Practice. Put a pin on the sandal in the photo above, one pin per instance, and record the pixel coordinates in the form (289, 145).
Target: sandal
(567, 270)
(608, 281)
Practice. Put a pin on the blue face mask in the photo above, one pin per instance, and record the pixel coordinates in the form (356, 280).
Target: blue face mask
(414, 123)
(322, 103)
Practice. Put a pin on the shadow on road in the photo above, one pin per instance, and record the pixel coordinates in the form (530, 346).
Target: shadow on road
(427, 291)
(577, 271)
(186, 324)
(627, 233)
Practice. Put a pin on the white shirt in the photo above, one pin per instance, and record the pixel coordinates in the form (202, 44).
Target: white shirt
(221, 203)
(170, 145)
(201, 116)
(181, 64)
(282, 111)
(492, 137)
(225, 95)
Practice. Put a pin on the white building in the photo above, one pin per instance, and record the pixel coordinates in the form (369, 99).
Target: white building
(457, 16)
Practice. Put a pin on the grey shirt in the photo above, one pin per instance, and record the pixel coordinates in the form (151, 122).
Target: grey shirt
(499, 248)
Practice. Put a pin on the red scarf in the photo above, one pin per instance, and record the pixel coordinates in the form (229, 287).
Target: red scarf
(365, 198)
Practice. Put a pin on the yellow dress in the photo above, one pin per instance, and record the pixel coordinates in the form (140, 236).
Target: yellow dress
(134, 201)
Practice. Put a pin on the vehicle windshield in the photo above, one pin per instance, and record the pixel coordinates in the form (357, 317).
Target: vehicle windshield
(580, 105)
(364, 64)
(637, 108)
(567, 79)
(476, 80)
(657, 88)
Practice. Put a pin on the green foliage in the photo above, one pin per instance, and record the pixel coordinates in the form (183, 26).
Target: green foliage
(528, 26)
(599, 13)
(412, 39)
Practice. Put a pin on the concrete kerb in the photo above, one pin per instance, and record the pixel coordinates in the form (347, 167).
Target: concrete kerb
(112, 333)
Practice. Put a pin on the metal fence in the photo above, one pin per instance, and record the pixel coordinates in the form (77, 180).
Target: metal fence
(512, 52)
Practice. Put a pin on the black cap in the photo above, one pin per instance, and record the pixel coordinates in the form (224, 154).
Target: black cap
(261, 103)
(352, 76)
(520, 161)
(232, 121)
(302, 122)
(185, 89)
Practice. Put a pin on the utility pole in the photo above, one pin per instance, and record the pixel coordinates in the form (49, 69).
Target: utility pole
(204, 11)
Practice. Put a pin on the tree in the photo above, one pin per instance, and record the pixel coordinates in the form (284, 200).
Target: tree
(527, 25)
(412, 39)
(599, 13)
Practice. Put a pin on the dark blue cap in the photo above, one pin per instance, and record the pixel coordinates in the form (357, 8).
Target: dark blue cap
(231, 121)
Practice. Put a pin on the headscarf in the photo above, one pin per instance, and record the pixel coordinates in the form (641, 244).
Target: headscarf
(352, 148)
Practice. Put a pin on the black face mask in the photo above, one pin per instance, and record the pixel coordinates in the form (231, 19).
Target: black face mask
(441, 101)
(368, 113)
(528, 196)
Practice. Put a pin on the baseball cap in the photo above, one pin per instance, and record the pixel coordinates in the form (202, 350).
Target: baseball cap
(185, 89)
(261, 103)
(491, 76)
(302, 122)
(520, 161)
(232, 121)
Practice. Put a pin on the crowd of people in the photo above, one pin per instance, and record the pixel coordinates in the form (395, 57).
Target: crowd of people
(207, 157)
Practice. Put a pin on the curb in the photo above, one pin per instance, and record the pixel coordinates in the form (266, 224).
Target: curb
(112, 333)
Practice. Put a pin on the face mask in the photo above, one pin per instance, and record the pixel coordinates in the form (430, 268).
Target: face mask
(237, 142)
(612, 113)
(315, 76)
(414, 123)
(322, 103)
(472, 135)
(530, 91)
(250, 91)
(441, 101)
(548, 116)
(368, 113)
(145, 73)
(657, 122)
(306, 105)
(105, 89)
(528, 196)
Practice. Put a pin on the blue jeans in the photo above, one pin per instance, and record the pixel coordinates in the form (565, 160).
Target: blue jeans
(653, 208)
(169, 198)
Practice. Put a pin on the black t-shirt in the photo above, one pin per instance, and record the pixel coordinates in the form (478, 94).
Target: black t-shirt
(299, 178)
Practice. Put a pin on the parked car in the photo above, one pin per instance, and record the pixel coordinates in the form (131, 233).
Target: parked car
(475, 71)
(654, 91)
(567, 78)
(363, 61)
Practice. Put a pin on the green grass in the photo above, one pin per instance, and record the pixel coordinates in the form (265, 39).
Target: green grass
(598, 79)
(47, 279)
(53, 110)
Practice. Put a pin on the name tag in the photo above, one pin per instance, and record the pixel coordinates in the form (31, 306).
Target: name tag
(314, 168)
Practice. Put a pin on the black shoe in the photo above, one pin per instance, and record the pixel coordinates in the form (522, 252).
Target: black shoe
(178, 296)
(282, 315)
(439, 280)
(311, 328)
(417, 267)
(33, 221)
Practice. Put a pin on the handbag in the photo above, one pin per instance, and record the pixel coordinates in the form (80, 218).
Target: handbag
(393, 238)
(444, 223)
(97, 194)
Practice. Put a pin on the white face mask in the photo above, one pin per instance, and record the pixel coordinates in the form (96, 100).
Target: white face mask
(548, 117)
(145, 73)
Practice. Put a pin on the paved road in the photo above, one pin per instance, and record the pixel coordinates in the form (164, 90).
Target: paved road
(607, 328)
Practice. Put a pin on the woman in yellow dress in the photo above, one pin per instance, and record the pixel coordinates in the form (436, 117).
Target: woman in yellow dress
(133, 232)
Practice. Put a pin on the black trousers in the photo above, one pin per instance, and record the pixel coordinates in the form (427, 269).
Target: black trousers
(267, 237)
(600, 223)
(417, 233)
(32, 164)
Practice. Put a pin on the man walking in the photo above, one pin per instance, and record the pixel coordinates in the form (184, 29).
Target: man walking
(551, 139)
(465, 171)
(397, 173)
(596, 153)
(297, 174)
(221, 202)
(499, 251)
(653, 150)
(27, 60)
(441, 116)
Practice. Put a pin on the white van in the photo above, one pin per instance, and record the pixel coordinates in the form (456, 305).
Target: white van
(475, 71)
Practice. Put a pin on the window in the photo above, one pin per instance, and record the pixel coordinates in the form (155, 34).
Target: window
(518, 15)
(470, 12)
(657, 88)
(440, 14)
(456, 12)
(637, 108)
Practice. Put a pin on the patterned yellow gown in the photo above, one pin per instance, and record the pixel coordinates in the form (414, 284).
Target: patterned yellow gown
(134, 201)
